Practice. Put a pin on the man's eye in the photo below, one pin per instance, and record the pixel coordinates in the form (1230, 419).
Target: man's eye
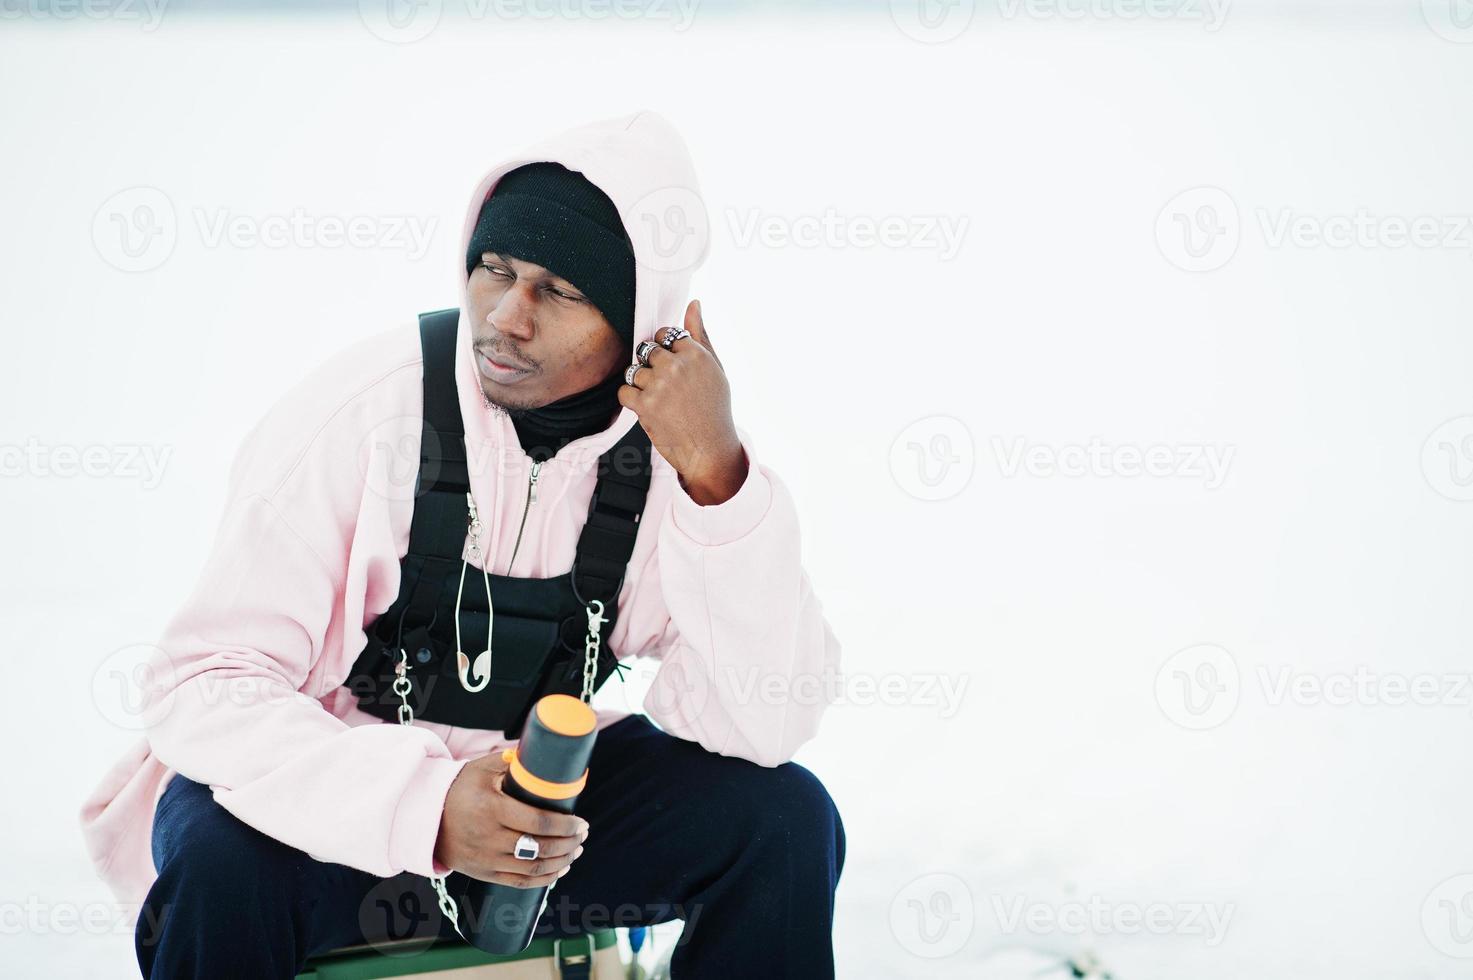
(496, 270)
(560, 294)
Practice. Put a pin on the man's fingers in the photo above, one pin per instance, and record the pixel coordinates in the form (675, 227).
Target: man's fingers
(541, 824)
(496, 861)
(629, 397)
(501, 861)
(506, 842)
(695, 322)
(493, 765)
(657, 355)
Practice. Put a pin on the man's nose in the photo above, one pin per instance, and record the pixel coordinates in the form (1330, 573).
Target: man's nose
(515, 313)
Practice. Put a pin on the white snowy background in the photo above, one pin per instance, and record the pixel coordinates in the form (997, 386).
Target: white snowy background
(1203, 722)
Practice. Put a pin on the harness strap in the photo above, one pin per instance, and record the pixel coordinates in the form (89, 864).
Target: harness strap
(607, 540)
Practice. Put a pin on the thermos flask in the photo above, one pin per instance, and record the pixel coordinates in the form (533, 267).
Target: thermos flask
(547, 769)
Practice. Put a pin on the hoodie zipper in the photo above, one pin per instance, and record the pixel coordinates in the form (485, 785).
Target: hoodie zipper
(531, 499)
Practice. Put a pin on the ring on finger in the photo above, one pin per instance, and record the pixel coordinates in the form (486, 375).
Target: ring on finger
(629, 373)
(526, 849)
(673, 334)
(642, 352)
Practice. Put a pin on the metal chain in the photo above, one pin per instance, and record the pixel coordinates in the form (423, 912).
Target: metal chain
(401, 686)
(591, 646)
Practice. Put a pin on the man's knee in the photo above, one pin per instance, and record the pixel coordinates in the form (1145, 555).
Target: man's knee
(789, 804)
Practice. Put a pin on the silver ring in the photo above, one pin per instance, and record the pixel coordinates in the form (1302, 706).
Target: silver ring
(629, 374)
(643, 351)
(527, 848)
(674, 335)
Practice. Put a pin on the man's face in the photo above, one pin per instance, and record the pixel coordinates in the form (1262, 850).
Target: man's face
(548, 339)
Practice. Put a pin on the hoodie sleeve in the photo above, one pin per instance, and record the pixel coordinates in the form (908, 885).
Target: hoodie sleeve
(745, 652)
(228, 711)
(279, 601)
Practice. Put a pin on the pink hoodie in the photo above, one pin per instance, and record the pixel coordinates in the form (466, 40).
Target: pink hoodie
(246, 693)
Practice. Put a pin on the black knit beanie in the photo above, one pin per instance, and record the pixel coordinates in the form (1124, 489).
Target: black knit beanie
(551, 216)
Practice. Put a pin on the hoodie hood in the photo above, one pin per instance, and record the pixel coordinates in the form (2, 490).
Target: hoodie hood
(642, 164)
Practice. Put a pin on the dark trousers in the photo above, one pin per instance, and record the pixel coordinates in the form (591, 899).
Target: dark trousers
(747, 856)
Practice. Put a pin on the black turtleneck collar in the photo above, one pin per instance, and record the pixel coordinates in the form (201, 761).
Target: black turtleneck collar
(544, 431)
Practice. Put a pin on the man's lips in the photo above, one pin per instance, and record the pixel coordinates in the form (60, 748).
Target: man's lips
(499, 371)
(506, 364)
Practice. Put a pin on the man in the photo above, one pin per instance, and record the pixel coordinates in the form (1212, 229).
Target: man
(270, 803)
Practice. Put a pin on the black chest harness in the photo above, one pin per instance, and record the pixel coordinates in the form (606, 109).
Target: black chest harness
(545, 632)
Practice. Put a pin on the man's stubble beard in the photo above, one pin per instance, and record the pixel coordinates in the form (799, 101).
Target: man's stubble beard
(510, 411)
